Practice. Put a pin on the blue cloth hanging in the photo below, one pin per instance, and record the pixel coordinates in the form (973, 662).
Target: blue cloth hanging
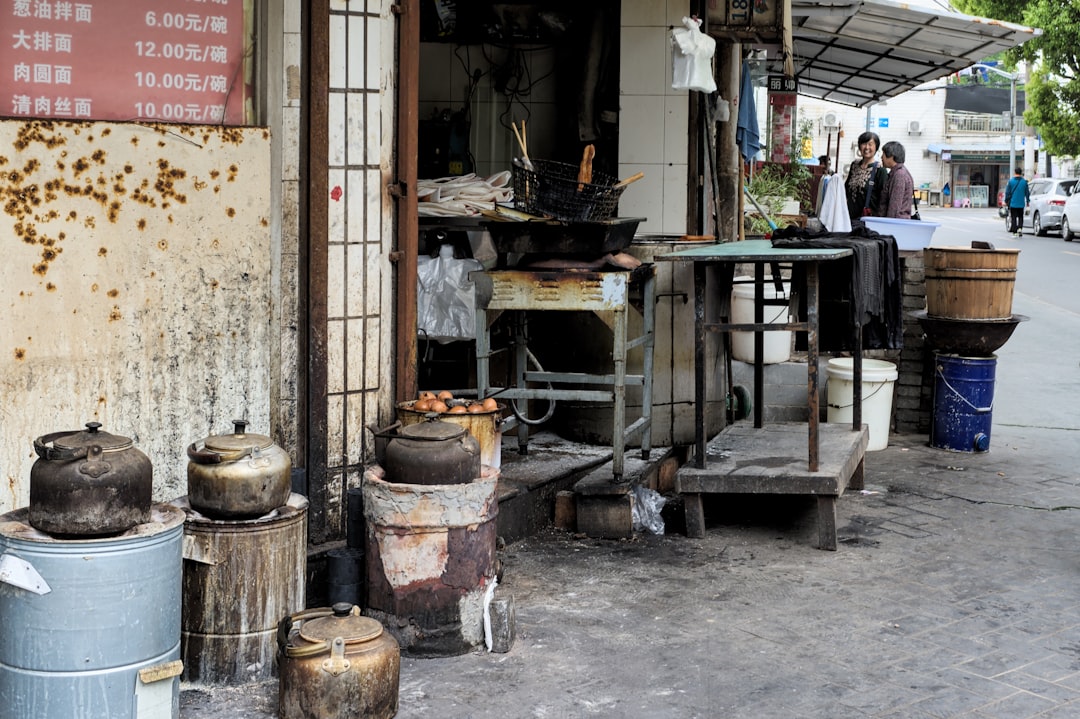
(747, 136)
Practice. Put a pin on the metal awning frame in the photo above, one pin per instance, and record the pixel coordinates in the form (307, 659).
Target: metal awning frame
(858, 52)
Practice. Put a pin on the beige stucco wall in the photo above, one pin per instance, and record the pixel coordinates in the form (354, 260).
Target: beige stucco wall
(136, 287)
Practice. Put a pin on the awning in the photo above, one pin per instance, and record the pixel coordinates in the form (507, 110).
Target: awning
(857, 52)
(975, 151)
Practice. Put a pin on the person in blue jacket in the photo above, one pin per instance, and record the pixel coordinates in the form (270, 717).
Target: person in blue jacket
(1017, 197)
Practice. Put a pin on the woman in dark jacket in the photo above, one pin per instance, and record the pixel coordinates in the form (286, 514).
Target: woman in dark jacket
(865, 176)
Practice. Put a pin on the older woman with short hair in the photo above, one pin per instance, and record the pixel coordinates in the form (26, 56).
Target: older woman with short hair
(865, 179)
(899, 187)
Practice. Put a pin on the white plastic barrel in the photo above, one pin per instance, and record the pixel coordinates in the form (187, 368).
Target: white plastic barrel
(878, 379)
(777, 345)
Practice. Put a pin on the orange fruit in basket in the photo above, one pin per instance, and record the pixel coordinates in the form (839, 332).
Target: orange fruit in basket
(438, 406)
(476, 408)
(446, 395)
(422, 405)
(427, 395)
(458, 409)
(490, 405)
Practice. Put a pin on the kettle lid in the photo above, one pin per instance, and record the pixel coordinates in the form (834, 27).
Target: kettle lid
(92, 436)
(239, 440)
(433, 431)
(345, 622)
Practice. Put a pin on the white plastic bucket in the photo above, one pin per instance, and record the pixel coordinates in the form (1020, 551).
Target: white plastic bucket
(777, 345)
(878, 379)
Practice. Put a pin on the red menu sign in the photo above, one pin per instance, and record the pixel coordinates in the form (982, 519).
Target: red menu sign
(175, 60)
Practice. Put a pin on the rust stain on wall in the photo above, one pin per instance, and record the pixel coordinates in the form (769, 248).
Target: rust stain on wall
(103, 251)
(115, 315)
(20, 353)
(113, 293)
(230, 212)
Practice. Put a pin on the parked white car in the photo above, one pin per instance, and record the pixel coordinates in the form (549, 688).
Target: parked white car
(1070, 217)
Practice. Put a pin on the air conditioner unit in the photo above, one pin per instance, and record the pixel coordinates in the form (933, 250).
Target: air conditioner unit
(830, 120)
(914, 128)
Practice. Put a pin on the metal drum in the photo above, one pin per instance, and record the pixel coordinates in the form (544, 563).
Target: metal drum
(91, 627)
(241, 577)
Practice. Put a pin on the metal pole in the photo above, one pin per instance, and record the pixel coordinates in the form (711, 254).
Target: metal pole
(1012, 124)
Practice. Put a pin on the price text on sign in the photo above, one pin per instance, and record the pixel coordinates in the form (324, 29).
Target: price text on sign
(175, 60)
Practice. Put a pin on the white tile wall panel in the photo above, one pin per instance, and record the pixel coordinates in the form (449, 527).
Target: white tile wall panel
(336, 129)
(674, 218)
(641, 132)
(359, 354)
(374, 261)
(335, 439)
(290, 79)
(354, 205)
(643, 12)
(354, 427)
(373, 51)
(355, 259)
(339, 48)
(290, 130)
(357, 34)
(676, 128)
(354, 123)
(291, 17)
(373, 129)
(373, 191)
(374, 352)
(643, 66)
(644, 198)
(335, 356)
(335, 284)
(336, 208)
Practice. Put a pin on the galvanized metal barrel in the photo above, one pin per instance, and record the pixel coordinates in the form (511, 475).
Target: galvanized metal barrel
(91, 627)
(240, 578)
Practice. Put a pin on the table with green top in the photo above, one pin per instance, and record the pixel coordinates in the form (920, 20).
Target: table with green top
(760, 459)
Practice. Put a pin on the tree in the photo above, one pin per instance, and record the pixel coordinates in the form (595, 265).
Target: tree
(1052, 93)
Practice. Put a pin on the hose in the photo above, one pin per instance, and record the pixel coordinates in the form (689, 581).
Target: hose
(551, 403)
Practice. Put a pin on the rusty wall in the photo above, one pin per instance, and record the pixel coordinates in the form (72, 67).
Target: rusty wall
(136, 287)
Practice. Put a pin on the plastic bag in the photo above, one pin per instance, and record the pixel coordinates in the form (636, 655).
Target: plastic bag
(445, 304)
(645, 510)
(691, 57)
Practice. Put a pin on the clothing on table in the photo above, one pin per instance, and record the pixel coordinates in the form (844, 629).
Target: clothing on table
(862, 290)
(899, 190)
(855, 186)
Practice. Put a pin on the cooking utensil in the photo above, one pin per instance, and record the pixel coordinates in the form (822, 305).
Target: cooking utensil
(585, 169)
(432, 453)
(336, 664)
(238, 474)
(632, 178)
(89, 483)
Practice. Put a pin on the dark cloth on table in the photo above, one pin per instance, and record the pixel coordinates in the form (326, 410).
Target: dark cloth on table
(864, 289)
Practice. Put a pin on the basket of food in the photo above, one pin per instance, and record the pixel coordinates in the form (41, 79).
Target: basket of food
(557, 189)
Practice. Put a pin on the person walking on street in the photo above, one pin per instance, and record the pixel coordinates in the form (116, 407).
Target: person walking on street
(865, 179)
(1017, 197)
(899, 190)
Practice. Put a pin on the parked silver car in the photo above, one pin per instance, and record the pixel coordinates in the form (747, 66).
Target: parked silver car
(1048, 195)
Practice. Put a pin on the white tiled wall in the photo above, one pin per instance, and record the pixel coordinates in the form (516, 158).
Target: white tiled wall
(653, 117)
(359, 342)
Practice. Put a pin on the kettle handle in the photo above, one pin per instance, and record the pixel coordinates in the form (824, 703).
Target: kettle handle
(202, 456)
(285, 627)
(45, 451)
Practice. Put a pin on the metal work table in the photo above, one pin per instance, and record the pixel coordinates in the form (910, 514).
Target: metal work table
(606, 293)
(762, 456)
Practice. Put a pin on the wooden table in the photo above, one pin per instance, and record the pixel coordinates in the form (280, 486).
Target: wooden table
(763, 457)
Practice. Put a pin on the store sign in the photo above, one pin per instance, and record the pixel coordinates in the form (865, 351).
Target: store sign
(783, 83)
(175, 60)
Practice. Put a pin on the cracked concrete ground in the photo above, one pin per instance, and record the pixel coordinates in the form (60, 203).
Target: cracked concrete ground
(955, 592)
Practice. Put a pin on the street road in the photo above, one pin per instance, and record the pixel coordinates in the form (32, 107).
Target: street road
(1038, 369)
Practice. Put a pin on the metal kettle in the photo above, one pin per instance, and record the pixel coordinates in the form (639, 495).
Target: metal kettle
(432, 453)
(238, 475)
(89, 483)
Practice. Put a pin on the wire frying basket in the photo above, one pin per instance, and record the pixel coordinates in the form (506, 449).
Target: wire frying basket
(553, 189)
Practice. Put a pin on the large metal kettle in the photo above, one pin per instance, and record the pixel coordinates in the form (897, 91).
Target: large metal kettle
(432, 453)
(238, 475)
(89, 483)
(336, 664)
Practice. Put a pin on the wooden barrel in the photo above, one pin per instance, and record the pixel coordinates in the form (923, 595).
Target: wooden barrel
(969, 284)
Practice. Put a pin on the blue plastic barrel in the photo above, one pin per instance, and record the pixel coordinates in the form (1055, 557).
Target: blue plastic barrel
(963, 402)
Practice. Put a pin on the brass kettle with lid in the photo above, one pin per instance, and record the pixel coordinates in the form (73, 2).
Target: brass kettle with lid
(432, 453)
(238, 475)
(336, 664)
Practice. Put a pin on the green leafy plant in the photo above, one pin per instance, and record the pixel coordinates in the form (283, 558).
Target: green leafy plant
(771, 184)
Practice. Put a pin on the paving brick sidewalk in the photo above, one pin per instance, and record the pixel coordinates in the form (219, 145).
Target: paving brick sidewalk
(955, 593)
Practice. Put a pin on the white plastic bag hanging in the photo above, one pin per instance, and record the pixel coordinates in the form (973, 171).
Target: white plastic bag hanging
(691, 57)
(445, 306)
